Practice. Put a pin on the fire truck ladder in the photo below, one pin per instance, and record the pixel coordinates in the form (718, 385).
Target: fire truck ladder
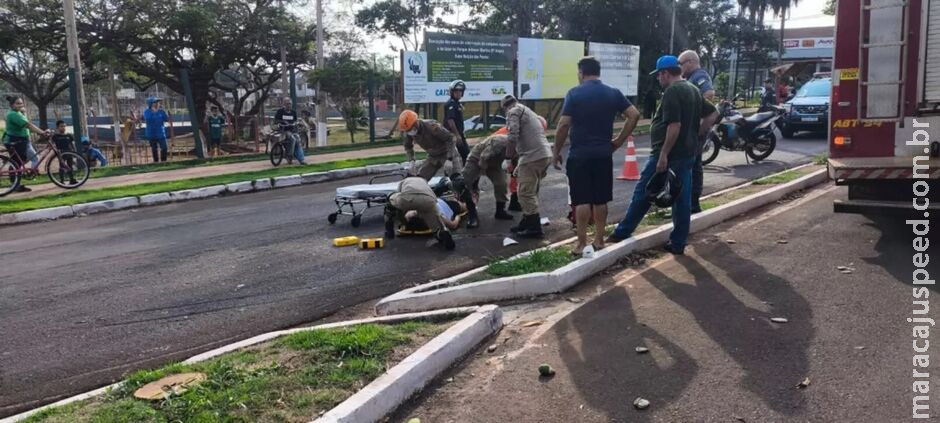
(885, 36)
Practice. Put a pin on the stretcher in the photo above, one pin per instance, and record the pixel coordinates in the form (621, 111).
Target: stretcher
(354, 200)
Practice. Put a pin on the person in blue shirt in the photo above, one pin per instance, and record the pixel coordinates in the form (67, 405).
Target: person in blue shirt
(93, 154)
(588, 116)
(693, 72)
(156, 118)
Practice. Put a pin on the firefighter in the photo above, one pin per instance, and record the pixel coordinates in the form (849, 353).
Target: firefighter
(486, 158)
(416, 199)
(526, 140)
(440, 144)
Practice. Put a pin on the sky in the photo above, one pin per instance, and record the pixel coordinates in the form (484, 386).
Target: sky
(807, 13)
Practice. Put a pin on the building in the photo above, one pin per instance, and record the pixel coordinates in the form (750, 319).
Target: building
(806, 51)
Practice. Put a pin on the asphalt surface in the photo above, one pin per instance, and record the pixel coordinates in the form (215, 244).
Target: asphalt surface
(714, 354)
(84, 301)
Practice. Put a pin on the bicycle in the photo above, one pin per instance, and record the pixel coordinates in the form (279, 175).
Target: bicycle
(66, 169)
(284, 147)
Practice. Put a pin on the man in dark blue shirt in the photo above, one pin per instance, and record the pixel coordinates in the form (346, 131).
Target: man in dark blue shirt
(588, 115)
(453, 117)
(693, 72)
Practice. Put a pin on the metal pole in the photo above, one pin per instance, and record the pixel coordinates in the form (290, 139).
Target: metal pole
(372, 107)
(76, 87)
(672, 29)
(285, 83)
(321, 99)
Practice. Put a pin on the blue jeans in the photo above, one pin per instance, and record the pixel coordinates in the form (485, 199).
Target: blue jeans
(681, 209)
(95, 154)
(298, 147)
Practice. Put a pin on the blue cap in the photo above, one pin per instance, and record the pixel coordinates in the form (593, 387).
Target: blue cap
(152, 100)
(84, 140)
(666, 62)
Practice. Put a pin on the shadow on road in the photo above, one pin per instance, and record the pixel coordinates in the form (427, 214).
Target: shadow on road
(604, 366)
(745, 333)
(896, 249)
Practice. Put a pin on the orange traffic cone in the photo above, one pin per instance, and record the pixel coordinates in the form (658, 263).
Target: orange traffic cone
(631, 171)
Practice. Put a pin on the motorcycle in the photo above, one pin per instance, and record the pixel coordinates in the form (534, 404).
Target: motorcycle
(753, 134)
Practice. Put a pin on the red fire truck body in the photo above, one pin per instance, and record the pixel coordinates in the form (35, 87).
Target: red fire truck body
(885, 109)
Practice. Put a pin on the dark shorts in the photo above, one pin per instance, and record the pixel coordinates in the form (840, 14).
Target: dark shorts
(215, 141)
(590, 180)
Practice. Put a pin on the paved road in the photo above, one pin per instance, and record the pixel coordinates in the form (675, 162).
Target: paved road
(84, 301)
(714, 355)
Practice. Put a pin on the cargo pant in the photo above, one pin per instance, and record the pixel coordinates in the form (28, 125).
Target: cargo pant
(530, 177)
(431, 165)
(494, 171)
(424, 205)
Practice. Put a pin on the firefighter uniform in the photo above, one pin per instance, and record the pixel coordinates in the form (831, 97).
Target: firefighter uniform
(439, 143)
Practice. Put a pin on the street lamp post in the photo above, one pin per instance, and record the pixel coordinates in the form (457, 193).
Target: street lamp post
(321, 99)
(76, 87)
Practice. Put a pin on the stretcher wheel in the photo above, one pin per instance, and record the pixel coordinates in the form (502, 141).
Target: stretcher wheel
(356, 220)
(331, 218)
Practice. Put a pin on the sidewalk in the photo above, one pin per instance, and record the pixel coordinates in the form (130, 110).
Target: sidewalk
(714, 355)
(197, 172)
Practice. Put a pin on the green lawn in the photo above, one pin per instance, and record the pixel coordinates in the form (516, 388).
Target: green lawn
(241, 158)
(291, 379)
(545, 260)
(69, 198)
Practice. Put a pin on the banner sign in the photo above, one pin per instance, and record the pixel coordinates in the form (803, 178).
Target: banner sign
(547, 68)
(484, 63)
(801, 43)
(620, 65)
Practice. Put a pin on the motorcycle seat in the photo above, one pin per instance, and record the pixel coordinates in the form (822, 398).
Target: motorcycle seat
(759, 117)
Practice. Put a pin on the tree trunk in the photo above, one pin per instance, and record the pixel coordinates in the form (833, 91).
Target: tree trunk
(43, 113)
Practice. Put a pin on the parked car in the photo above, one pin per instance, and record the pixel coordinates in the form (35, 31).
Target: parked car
(808, 110)
(475, 123)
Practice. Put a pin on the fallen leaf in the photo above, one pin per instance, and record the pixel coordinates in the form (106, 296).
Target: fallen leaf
(846, 272)
(779, 320)
(509, 241)
(731, 241)
(841, 268)
(642, 350)
(573, 300)
(414, 420)
(739, 418)
(804, 383)
(545, 221)
(859, 348)
(641, 403)
(782, 241)
(449, 380)
(491, 348)
(170, 385)
(532, 323)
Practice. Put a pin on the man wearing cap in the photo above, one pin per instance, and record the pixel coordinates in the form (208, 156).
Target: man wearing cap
(527, 142)
(156, 118)
(440, 144)
(588, 113)
(693, 72)
(453, 117)
(682, 117)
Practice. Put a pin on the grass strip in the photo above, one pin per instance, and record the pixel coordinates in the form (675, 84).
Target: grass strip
(240, 158)
(290, 379)
(788, 176)
(545, 260)
(69, 198)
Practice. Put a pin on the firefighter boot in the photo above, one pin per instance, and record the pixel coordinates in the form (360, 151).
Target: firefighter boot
(514, 203)
(501, 212)
(532, 228)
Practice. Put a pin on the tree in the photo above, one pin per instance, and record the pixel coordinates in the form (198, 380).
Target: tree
(155, 40)
(346, 80)
(34, 59)
(404, 20)
(830, 8)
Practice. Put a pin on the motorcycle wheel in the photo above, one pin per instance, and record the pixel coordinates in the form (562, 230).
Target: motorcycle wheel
(761, 149)
(710, 148)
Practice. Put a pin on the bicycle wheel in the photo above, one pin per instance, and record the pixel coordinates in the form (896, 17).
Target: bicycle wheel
(9, 178)
(67, 170)
(277, 154)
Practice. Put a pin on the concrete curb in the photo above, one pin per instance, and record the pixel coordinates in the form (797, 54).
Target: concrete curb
(459, 338)
(412, 374)
(195, 194)
(447, 292)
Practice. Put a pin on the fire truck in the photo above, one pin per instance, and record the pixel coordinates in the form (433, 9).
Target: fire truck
(884, 133)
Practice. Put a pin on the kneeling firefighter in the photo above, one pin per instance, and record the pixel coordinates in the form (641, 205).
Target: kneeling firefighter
(417, 200)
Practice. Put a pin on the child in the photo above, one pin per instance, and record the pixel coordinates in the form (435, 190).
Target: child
(93, 154)
(64, 142)
(216, 123)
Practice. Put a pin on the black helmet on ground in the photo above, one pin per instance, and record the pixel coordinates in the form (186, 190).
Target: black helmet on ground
(663, 189)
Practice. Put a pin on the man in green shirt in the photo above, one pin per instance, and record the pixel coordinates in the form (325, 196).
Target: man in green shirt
(216, 123)
(16, 136)
(682, 117)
